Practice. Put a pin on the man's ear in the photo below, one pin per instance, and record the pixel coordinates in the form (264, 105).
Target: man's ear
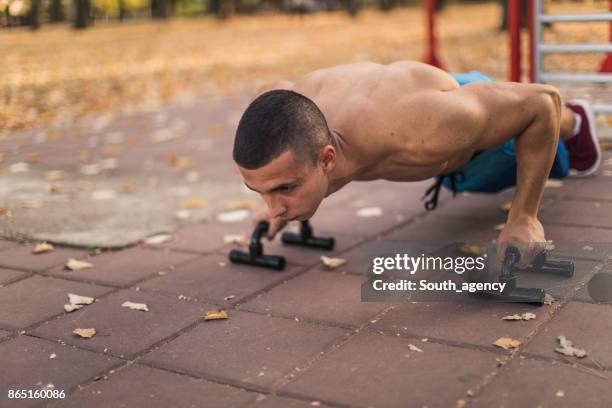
(328, 158)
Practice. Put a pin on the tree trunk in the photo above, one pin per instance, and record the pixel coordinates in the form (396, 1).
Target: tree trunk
(122, 10)
(34, 14)
(82, 18)
(56, 11)
(161, 8)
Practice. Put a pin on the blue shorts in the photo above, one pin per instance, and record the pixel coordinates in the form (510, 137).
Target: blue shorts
(495, 169)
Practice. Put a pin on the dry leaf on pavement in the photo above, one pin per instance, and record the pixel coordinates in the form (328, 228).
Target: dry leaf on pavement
(158, 239)
(193, 203)
(89, 169)
(567, 348)
(101, 195)
(238, 239)
(192, 176)
(242, 205)
(548, 299)
(368, 212)
(42, 248)
(506, 343)
(182, 214)
(85, 333)
(215, 315)
(233, 216)
(332, 263)
(412, 347)
(472, 249)
(76, 302)
(524, 316)
(506, 206)
(21, 167)
(75, 265)
(552, 183)
(135, 306)
(54, 175)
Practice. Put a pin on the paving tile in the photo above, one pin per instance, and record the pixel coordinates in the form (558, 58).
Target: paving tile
(140, 386)
(121, 330)
(247, 347)
(283, 402)
(532, 383)
(583, 213)
(323, 296)
(375, 370)
(443, 231)
(4, 334)
(207, 237)
(598, 288)
(477, 323)
(307, 256)
(345, 221)
(7, 276)
(213, 278)
(38, 298)
(587, 325)
(5, 244)
(26, 363)
(123, 268)
(557, 286)
(23, 258)
(598, 188)
(390, 195)
(580, 242)
(476, 206)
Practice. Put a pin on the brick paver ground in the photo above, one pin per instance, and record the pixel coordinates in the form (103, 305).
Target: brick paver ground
(302, 337)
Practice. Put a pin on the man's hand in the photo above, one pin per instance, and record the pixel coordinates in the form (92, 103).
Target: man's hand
(276, 224)
(525, 233)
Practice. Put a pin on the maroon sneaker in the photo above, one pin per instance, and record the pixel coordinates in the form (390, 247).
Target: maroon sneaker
(583, 148)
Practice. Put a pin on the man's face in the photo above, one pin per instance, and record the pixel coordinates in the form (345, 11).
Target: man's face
(291, 189)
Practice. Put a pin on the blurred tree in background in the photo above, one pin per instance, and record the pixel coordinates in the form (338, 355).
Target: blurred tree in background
(83, 13)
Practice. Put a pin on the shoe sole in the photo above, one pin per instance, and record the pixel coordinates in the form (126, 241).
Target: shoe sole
(591, 118)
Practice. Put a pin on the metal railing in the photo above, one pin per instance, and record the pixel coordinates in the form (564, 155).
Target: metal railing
(540, 49)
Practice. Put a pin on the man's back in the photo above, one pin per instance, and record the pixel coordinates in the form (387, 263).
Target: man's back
(360, 104)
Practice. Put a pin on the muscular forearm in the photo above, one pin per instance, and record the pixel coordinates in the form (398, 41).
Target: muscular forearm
(535, 153)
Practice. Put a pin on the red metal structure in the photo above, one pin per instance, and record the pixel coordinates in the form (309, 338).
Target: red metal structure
(431, 57)
(514, 35)
(606, 65)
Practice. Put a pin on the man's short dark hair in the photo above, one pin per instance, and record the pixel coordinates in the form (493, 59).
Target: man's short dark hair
(278, 121)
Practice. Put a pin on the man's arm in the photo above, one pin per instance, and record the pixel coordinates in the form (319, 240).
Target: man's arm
(484, 115)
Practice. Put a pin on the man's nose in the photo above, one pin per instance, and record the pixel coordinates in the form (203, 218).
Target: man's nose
(276, 208)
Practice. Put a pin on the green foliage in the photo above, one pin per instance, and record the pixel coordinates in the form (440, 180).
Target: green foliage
(111, 7)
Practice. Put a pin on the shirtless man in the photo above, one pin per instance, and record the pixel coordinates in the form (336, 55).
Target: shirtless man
(301, 141)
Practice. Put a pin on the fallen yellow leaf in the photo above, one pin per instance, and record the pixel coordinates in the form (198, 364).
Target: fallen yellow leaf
(112, 150)
(332, 263)
(215, 315)
(75, 265)
(242, 205)
(506, 206)
(42, 248)
(524, 316)
(506, 343)
(85, 333)
(135, 306)
(158, 239)
(193, 203)
(472, 249)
